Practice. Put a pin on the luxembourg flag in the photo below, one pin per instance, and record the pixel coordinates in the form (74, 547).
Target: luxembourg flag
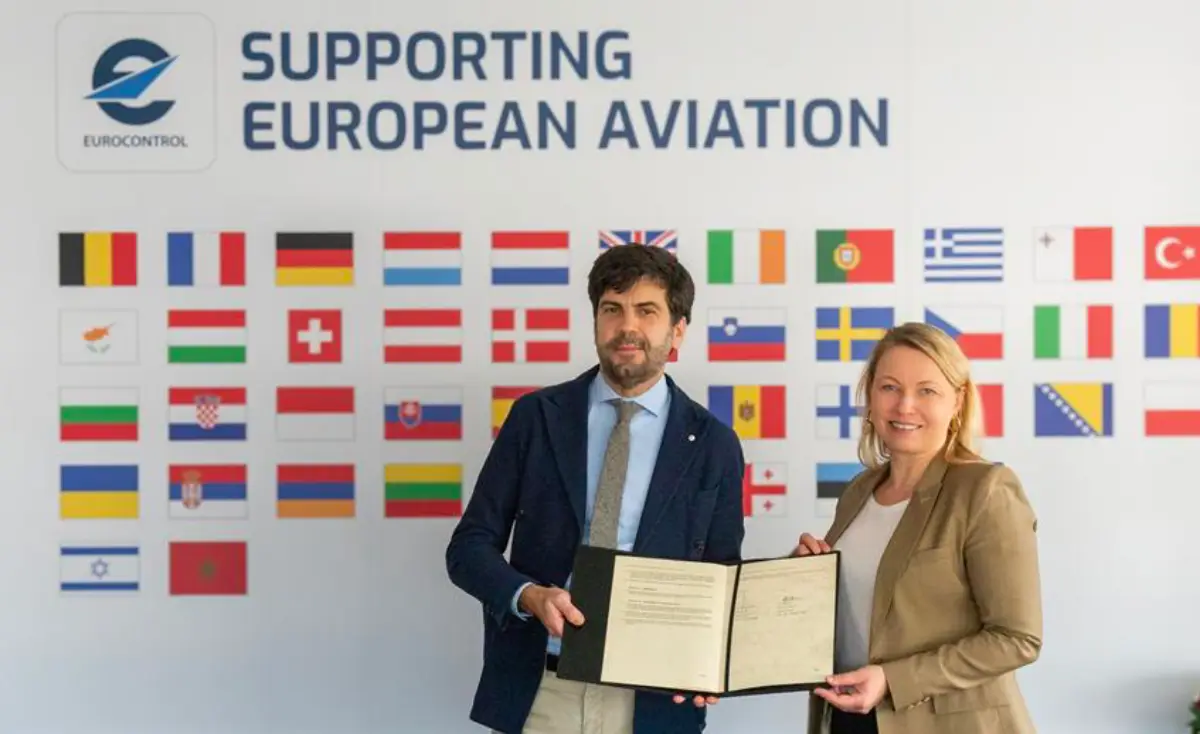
(979, 330)
(530, 258)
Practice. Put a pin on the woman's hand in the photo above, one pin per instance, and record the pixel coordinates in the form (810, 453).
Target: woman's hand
(698, 701)
(857, 691)
(810, 546)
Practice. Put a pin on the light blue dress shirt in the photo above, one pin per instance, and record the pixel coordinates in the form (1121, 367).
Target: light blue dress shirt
(645, 437)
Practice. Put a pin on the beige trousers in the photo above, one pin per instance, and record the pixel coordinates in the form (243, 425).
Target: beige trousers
(569, 707)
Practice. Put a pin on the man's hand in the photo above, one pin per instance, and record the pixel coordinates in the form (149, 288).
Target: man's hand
(551, 606)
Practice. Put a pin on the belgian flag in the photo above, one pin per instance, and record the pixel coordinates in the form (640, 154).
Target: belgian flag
(314, 258)
(97, 259)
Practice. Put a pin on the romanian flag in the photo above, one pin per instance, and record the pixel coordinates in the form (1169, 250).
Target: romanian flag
(314, 258)
(315, 490)
(98, 414)
(97, 259)
(95, 492)
(1172, 331)
(502, 400)
(422, 490)
(753, 411)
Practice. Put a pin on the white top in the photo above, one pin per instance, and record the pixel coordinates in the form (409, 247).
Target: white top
(862, 546)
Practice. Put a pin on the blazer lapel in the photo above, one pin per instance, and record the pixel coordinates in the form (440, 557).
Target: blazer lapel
(680, 441)
(904, 539)
(566, 422)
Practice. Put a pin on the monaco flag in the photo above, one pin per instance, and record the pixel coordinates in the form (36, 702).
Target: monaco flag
(1172, 253)
(314, 413)
(531, 335)
(764, 490)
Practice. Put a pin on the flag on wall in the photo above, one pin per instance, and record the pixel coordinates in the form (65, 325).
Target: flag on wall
(208, 568)
(314, 259)
(849, 333)
(747, 335)
(664, 238)
(1063, 254)
(98, 414)
(1172, 253)
(207, 491)
(422, 335)
(855, 256)
(991, 398)
(1172, 331)
(764, 490)
(206, 414)
(103, 569)
(1073, 332)
(98, 336)
(97, 259)
(206, 337)
(422, 258)
(199, 259)
(314, 336)
(422, 414)
(978, 330)
(839, 416)
(1172, 408)
(832, 479)
(964, 255)
(98, 491)
(752, 411)
(1073, 409)
(315, 490)
(422, 490)
(750, 256)
(314, 413)
(530, 258)
(531, 335)
(503, 398)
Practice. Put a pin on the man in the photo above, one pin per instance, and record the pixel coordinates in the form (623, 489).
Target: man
(617, 457)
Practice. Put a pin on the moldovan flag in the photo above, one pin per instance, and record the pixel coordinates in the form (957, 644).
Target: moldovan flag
(1062, 254)
(531, 335)
(1172, 331)
(422, 413)
(992, 399)
(1172, 253)
(979, 330)
(97, 336)
(98, 491)
(855, 256)
(314, 258)
(314, 413)
(206, 259)
(206, 337)
(752, 411)
(530, 258)
(747, 335)
(1073, 332)
(99, 568)
(422, 258)
(751, 256)
(422, 335)
(98, 414)
(764, 490)
(1172, 408)
(208, 568)
(207, 491)
(422, 490)
(206, 414)
(315, 490)
(502, 401)
(97, 259)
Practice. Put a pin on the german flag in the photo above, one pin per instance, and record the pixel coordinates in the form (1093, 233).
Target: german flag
(314, 258)
(97, 259)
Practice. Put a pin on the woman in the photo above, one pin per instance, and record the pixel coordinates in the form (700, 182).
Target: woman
(940, 598)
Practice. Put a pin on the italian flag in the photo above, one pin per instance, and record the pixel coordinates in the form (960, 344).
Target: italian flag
(1073, 332)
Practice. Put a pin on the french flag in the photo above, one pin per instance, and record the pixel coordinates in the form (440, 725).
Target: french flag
(530, 258)
(979, 330)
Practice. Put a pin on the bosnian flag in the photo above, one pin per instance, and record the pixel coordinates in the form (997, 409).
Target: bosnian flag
(979, 330)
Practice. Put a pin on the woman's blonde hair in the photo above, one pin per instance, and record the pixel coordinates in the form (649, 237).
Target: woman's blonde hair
(962, 439)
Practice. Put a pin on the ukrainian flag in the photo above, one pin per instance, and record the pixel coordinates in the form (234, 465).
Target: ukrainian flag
(99, 492)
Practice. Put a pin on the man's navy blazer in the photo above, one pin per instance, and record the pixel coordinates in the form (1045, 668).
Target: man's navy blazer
(533, 486)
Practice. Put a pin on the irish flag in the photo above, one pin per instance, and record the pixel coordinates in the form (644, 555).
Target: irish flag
(206, 337)
(1073, 332)
(745, 256)
(98, 414)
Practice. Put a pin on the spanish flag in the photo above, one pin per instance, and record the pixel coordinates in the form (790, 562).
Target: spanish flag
(502, 401)
(314, 258)
(97, 259)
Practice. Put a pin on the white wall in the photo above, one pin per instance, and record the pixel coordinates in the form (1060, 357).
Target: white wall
(1015, 115)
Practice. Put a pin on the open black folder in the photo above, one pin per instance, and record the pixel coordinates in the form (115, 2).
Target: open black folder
(760, 626)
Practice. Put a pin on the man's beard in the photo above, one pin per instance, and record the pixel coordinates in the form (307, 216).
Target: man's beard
(631, 374)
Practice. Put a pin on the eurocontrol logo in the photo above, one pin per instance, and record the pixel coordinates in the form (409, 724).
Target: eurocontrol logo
(112, 88)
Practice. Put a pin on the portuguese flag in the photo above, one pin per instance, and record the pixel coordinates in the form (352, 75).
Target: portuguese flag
(422, 490)
(855, 256)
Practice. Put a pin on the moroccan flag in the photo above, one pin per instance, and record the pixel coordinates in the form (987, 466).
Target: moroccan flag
(208, 568)
(97, 259)
(855, 256)
(98, 414)
(422, 490)
(314, 258)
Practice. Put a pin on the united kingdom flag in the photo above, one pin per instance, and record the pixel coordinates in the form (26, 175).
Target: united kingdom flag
(664, 238)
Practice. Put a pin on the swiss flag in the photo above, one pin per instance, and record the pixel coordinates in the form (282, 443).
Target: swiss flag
(314, 336)
(1172, 253)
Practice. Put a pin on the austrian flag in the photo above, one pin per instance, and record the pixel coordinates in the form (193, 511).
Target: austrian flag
(531, 335)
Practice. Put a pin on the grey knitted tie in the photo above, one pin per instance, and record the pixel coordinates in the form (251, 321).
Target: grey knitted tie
(607, 510)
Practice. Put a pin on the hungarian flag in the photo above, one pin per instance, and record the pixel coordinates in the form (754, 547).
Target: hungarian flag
(855, 256)
(208, 568)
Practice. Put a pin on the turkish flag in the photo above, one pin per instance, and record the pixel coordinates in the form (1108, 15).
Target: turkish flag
(314, 336)
(1172, 253)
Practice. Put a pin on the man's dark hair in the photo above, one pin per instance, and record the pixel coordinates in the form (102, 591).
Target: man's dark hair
(619, 268)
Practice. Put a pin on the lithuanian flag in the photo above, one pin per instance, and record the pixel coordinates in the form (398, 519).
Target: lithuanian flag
(422, 490)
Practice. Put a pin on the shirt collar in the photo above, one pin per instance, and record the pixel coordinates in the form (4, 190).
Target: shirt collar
(652, 401)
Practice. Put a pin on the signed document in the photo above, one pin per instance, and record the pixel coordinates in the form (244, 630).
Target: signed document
(758, 626)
